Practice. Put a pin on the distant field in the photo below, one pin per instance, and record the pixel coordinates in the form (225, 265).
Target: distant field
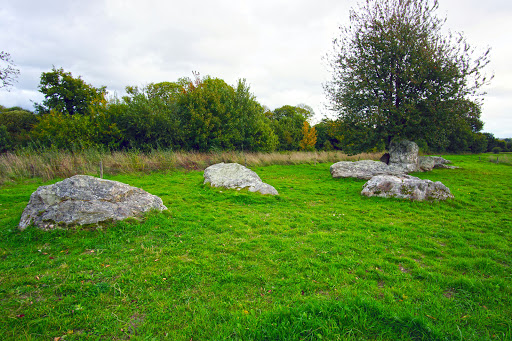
(319, 261)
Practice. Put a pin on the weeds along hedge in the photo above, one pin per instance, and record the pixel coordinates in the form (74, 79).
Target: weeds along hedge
(51, 164)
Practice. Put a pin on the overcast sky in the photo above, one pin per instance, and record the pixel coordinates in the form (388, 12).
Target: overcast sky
(276, 45)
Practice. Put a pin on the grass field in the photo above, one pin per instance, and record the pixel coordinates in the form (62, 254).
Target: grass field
(317, 262)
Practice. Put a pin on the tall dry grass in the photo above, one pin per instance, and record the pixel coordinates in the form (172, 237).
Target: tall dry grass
(53, 164)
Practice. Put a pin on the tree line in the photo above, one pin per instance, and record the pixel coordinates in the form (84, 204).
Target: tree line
(199, 114)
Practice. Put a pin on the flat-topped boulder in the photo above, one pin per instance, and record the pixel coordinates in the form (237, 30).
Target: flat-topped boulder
(365, 169)
(86, 200)
(236, 176)
(405, 187)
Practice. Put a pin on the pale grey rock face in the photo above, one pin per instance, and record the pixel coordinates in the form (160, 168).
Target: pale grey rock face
(364, 169)
(405, 187)
(426, 163)
(404, 154)
(440, 162)
(236, 176)
(84, 200)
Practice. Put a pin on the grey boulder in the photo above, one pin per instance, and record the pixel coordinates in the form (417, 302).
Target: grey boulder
(365, 169)
(404, 154)
(426, 163)
(84, 200)
(405, 187)
(440, 162)
(236, 176)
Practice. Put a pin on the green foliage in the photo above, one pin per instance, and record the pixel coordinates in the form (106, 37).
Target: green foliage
(5, 139)
(76, 132)
(287, 122)
(496, 150)
(19, 123)
(68, 95)
(395, 75)
(479, 144)
(148, 118)
(326, 135)
(204, 115)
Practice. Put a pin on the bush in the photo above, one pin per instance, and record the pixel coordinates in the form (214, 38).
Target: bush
(4, 139)
(496, 150)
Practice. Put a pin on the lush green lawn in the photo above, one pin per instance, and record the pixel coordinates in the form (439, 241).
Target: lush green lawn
(319, 261)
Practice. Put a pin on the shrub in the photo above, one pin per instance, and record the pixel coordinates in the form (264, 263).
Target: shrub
(496, 150)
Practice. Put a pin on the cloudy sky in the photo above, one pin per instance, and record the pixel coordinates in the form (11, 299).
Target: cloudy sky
(276, 45)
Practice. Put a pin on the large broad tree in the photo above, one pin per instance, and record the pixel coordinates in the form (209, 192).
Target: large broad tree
(396, 74)
(67, 94)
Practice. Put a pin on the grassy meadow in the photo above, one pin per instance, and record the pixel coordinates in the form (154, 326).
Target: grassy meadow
(317, 262)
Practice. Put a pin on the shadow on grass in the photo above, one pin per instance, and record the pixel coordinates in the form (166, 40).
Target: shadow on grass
(353, 319)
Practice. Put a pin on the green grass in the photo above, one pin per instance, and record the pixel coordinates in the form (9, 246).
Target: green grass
(319, 261)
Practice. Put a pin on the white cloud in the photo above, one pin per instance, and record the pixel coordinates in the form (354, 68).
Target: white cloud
(277, 45)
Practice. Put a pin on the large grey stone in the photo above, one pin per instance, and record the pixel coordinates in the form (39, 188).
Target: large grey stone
(405, 187)
(364, 169)
(404, 154)
(84, 200)
(236, 176)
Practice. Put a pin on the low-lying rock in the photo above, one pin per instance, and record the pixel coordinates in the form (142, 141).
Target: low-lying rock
(85, 200)
(440, 162)
(236, 176)
(405, 187)
(364, 169)
(426, 163)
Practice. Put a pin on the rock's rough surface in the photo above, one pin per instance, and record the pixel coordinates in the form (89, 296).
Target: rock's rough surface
(426, 163)
(440, 162)
(406, 187)
(404, 154)
(364, 169)
(234, 175)
(84, 200)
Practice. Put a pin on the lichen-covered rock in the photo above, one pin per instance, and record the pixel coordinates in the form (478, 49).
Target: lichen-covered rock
(404, 154)
(85, 200)
(440, 162)
(236, 176)
(405, 187)
(364, 169)
(426, 163)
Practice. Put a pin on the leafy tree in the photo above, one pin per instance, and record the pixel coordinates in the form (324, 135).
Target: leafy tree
(287, 122)
(5, 140)
(8, 71)
(18, 123)
(491, 141)
(329, 134)
(394, 74)
(76, 132)
(67, 94)
(201, 114)
(308, 141)
(479, 143)
(148, 117)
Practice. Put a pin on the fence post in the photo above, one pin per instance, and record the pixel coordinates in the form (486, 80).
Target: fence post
(101, 169)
